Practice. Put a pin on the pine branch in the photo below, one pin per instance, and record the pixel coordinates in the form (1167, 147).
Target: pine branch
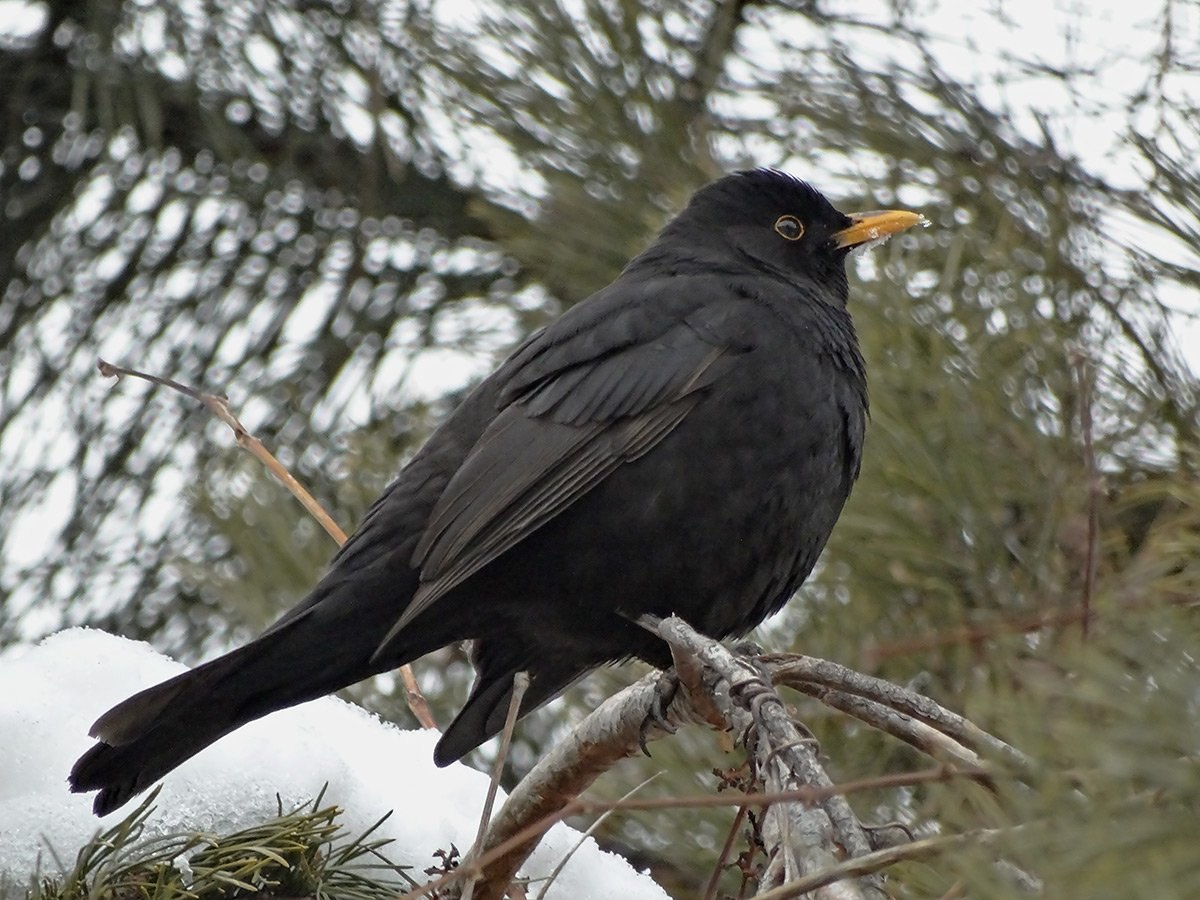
(810, 825)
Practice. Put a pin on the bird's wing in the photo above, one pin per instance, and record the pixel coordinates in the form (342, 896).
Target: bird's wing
(575, 408)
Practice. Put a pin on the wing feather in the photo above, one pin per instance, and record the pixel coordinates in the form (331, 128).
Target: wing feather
(564, 432)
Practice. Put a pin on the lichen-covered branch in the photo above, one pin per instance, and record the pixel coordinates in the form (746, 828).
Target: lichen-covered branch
(812, 834)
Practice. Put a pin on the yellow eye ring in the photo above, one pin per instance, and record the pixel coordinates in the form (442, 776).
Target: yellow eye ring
(789, 228)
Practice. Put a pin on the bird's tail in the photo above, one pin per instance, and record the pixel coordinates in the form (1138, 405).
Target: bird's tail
(320, 647)
(143, 738)
(483, 715)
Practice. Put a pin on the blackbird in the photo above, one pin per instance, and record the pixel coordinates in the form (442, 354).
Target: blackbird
(681, 442)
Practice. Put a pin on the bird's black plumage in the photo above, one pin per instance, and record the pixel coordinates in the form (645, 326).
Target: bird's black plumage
(681, 442)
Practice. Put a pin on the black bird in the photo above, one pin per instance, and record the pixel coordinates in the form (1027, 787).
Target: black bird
(681, 442)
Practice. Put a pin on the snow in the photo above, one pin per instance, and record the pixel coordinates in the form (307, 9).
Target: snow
(52, 692)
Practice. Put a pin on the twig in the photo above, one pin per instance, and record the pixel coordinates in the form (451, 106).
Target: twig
(710, 889)
(528, 834)
(588, 833)
(219, 407)
(912, 731)
(1083, 375)
(879, 860)
(798, 671)
(873, 654)
(520, 686)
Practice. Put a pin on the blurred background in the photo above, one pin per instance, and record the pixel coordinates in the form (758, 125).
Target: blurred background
(341, 214)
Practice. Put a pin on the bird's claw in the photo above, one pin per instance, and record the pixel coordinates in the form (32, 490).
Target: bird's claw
(748, 648)
(665, 690)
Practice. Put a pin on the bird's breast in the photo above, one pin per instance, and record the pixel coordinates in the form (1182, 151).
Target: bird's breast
(721, 521)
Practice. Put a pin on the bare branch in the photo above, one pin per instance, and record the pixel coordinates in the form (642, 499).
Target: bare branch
(801, 838)
(798, 671)
(879, 860)
(810, 824)
(526, 838)
(219, 407)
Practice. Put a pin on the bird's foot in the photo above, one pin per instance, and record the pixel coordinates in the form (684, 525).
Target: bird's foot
(748, 648)
(665, 690)
(880, 839)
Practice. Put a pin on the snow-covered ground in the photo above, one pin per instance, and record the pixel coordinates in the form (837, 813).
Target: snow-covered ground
(52, 692)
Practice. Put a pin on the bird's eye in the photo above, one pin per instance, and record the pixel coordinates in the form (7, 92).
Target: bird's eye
(789, 228)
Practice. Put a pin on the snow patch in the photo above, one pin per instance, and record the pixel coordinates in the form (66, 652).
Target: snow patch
(52, 692)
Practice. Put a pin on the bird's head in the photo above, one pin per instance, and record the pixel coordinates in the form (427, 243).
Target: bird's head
(781, 225)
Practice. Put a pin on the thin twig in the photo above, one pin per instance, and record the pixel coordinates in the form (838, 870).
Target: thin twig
(926, 738)
(520, 686)
(808, 795)
(1083, 374)
(219, 407)
(796, 670)
(587, 834)
(873, 654)
(858, 866)
(710, 889)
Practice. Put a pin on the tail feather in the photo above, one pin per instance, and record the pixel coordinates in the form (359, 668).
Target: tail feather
(323, 646)
(127, 720)
(484, 714)
(143, 738)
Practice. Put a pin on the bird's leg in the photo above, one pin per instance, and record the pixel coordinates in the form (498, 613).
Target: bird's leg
(748, 648)
(688, 670)
(665, 690)
(877, 834)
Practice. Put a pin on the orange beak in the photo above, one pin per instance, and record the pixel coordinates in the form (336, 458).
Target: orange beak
(866, 227)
